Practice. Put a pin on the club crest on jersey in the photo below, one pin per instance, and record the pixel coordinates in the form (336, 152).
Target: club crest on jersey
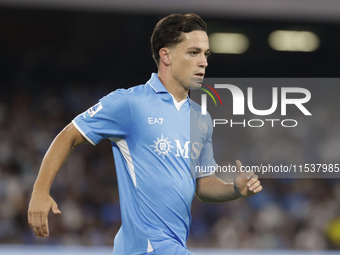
(203, 125)
(162, 146)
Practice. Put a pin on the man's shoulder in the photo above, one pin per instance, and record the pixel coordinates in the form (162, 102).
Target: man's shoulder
(196, 113)
(195, 106)
(135, 91)
(139, 90)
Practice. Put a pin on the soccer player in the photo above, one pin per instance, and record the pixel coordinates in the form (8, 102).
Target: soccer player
(154, 149)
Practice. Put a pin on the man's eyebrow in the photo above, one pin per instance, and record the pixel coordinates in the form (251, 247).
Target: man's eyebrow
(198, 49)
(195, 48)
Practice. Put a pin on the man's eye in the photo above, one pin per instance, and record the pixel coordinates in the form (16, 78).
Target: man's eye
(193, 53)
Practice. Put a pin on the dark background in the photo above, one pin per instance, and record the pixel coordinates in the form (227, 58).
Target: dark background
(54, 64)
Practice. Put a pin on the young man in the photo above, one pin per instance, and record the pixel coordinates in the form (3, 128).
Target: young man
(149, 126)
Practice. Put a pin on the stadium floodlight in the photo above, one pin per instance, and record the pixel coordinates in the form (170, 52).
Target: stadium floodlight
(284, 40)
(228, 43)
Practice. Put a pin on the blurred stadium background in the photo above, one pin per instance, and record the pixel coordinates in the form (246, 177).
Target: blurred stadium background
(57, 58)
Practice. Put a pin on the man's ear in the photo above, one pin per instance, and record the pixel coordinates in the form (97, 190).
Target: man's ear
(164, 56)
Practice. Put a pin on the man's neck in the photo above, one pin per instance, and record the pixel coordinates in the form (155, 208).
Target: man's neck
(173, 87)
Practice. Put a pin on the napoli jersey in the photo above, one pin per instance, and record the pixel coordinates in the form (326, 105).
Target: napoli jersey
(150, 135)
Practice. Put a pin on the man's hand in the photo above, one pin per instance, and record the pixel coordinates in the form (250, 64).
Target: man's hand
(40, 205)
(41, 202)
(246, 184)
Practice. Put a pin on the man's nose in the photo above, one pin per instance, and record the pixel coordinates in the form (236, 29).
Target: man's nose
(203, 61)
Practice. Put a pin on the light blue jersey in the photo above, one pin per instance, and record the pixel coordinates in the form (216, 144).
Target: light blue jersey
(150, 134)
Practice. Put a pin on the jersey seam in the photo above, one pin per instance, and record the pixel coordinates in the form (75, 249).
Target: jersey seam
(137, 190)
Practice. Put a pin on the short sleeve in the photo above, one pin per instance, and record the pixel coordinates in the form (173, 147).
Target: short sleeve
(206, 159)
(109, 118)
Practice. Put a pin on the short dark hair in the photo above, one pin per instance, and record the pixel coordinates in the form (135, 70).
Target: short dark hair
(168, 31)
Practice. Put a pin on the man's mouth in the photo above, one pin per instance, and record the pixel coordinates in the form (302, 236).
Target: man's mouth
(201, 75)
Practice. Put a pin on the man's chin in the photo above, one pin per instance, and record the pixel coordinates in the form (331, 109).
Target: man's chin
(195, 83)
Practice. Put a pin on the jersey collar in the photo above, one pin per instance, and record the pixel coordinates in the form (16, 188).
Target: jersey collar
(156, 84)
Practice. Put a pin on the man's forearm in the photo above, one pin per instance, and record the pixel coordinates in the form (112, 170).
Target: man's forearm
(214, 190)
(56, 156)
(41, 202)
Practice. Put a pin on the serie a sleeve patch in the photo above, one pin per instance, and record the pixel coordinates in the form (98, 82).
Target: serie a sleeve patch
(92, 111)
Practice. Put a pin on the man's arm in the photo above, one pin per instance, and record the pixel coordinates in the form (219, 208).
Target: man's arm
(41, 202)
(214, 190)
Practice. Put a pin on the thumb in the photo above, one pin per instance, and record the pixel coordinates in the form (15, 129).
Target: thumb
(238, 164)
(238, 167)
(55, 209)
(241, 172)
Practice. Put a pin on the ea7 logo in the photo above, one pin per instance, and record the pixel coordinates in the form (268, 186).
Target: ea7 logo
(155, 120)
(238, 100)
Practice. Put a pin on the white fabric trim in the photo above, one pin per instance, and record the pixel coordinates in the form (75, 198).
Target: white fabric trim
(152, 87)
(150, 249)
(82, 132)
(204, 175)
(124, 149)
(178, 104)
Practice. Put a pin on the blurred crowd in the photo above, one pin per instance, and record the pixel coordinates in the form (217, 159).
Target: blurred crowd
(287, 214)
